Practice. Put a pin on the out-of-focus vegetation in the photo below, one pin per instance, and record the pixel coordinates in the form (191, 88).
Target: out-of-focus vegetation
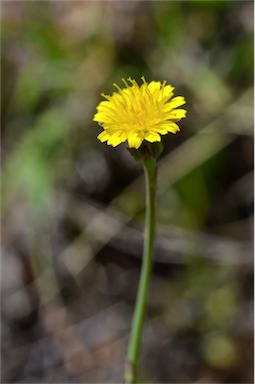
(73, 208)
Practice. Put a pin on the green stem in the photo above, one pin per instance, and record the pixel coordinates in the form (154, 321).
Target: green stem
(150, 169)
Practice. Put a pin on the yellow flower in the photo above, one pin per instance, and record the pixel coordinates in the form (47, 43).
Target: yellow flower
(138, 113)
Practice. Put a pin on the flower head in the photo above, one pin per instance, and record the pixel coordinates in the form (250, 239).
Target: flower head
(138, 113)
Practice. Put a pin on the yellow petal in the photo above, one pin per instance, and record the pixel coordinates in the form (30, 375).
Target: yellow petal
(115, 140)
(152, 137)
(102, 117)
(176, 102)
(154, 86)
(134, 141)
(103, 136)
(168, 91)
(171, 127)
(162, 131)
(176, 114)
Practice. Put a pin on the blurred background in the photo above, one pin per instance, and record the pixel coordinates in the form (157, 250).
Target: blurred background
(73, 208)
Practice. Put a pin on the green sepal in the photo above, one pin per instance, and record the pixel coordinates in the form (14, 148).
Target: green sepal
(147, 152)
